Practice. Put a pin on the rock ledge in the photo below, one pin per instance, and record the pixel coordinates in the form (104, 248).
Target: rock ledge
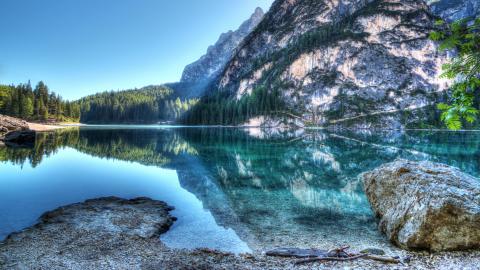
(90, 234)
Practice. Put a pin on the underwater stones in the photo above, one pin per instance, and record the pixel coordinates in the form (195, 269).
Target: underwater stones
(425, 205)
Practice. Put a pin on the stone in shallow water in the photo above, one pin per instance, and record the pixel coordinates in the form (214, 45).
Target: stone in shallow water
(90, 233)
(425, 205)
(20, 138)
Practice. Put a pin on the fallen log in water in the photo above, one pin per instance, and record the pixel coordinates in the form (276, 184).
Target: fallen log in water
(338, 254)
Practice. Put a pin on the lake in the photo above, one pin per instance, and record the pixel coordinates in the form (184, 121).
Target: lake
(237, 190)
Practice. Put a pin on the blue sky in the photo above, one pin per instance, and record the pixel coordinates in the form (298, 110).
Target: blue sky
(79, 47)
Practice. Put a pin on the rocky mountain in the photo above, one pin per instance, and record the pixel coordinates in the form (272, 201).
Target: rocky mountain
(355, 63)
(452, 10)
(340, 63)
(212, 63)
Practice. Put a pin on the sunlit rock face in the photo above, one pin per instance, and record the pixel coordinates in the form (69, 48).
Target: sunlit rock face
(210, 64)
(354, 63)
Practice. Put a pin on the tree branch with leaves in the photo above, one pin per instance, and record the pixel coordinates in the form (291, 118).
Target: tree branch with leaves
(464, 38)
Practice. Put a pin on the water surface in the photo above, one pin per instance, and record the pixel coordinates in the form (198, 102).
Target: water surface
(234, 189)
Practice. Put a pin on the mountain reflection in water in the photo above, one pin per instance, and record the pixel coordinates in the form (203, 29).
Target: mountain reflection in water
(270, 188)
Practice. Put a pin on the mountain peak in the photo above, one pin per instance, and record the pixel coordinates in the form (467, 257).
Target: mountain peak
(218, 55)
(258, 12)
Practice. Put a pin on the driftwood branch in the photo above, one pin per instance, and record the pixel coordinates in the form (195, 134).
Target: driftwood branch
(337, 254)
(383, 259)
(316, 259)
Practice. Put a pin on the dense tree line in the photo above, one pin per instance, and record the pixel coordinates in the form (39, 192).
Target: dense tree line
(150, 104)
(39, 104)
(223, 108)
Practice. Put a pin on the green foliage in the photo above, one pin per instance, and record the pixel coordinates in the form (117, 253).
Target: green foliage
(36, 105)
(150, 104)
(4, 95)
(463, 37)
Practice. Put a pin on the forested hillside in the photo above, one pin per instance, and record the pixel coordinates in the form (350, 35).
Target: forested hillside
(147, 105)
(39, 104)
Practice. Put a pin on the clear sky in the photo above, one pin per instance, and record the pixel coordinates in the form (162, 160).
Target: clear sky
(79, 47)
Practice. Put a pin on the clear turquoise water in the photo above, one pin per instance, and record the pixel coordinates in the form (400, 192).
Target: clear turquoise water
(233, 189)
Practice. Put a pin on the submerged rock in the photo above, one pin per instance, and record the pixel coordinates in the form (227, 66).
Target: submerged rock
(425, 205)
(101, 233)
(20, 138)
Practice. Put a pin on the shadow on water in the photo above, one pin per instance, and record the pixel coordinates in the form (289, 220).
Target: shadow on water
(272, 188)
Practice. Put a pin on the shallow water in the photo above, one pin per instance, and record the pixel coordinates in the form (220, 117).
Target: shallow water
(236, 190)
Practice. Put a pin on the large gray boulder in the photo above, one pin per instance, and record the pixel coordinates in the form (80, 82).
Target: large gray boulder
(10, 124)
(15, 132)
(425, 205)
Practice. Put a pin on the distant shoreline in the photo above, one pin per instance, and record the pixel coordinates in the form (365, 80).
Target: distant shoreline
(44, 127)
(41, 127)
(265, 127)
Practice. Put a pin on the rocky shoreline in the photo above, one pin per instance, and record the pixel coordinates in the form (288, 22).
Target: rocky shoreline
(16, 132)
(11, 128)
(114, 233)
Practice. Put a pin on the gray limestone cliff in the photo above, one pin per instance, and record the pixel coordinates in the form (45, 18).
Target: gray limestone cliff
(347, 63)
